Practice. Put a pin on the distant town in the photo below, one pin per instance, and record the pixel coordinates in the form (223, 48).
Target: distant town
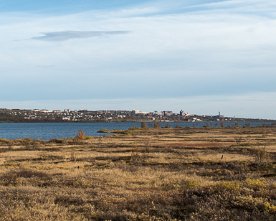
(43, 115)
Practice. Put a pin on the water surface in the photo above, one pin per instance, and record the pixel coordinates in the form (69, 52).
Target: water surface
(47, 131)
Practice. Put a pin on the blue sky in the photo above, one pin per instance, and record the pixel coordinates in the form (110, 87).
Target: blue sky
(200, 56)
(64, 6)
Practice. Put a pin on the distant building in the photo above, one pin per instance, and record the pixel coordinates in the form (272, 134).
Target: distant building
(138, 112)
(56, 111)
(66, 118)
(45, 111)
(167, 113)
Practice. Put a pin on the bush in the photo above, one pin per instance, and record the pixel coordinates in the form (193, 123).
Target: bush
(144, 125)
(261, 155)
(156, 124)
(220, 203)
(81, 135)
(12, 177)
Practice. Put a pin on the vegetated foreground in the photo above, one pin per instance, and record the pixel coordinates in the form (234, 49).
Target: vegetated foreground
(142, 174)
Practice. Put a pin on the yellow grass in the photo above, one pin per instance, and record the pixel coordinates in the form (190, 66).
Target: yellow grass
(150, 174)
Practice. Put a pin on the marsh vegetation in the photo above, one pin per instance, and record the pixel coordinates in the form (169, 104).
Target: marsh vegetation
(141, 174)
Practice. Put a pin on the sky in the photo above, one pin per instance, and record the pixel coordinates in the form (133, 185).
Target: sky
(201, 56)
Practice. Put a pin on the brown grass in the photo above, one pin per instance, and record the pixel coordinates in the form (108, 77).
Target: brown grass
(141, 174)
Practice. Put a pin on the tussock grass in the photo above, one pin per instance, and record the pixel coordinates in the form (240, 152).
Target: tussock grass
(141, 174)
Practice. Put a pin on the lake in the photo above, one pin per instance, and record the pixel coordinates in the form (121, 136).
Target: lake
(47, 131)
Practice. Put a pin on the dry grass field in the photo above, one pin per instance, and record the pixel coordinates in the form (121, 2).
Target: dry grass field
(142, 174)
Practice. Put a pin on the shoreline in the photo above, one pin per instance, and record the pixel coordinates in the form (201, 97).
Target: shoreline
(103, 133)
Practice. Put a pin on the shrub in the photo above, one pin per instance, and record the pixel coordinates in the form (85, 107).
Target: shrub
(11, 177)
(156, 124)
(260, 155)
(220, 203)
(255, 183)
(81, 135)
(144, 125)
